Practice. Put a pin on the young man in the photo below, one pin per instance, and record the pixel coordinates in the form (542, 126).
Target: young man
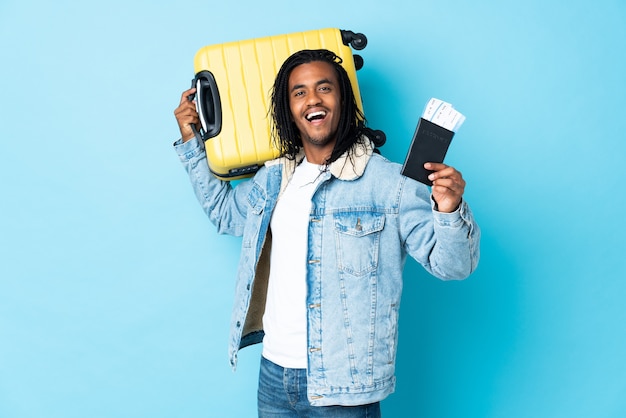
(326, 230)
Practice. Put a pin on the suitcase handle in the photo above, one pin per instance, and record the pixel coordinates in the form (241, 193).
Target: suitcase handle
(208, 105)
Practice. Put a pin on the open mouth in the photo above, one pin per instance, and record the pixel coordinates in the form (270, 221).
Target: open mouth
(313, 116)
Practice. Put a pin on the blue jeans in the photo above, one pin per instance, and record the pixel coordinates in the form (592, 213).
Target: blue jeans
(282, 393)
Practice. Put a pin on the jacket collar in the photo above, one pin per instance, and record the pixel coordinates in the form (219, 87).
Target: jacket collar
(350, 166)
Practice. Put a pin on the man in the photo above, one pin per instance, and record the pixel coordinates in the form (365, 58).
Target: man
(326, 229)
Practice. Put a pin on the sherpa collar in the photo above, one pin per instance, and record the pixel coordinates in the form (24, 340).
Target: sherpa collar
(350, 166)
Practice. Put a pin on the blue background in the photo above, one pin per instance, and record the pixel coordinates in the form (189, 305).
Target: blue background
(115, 291)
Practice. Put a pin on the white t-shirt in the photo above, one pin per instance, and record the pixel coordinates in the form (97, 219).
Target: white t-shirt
(284, 321)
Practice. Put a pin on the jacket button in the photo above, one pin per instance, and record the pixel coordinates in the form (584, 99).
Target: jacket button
(238, 324)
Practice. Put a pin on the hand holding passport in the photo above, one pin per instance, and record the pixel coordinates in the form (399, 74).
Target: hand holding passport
(431, 139)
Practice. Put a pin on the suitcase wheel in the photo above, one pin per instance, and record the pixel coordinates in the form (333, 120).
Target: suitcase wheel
(357, 41)
(358, 61)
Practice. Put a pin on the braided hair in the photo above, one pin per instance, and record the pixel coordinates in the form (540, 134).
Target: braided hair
(284, 131)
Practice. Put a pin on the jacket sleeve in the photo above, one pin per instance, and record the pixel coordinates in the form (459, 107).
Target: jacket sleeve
(446, 244)
(224, 204)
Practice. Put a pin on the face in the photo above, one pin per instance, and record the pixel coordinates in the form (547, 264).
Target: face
(315, 103)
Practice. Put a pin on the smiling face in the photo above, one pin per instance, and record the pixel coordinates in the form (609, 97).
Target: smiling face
(315, 104)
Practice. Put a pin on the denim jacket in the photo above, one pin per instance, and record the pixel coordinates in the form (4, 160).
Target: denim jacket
(365, 218)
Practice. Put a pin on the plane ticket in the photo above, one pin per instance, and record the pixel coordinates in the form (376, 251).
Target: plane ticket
(443, 114)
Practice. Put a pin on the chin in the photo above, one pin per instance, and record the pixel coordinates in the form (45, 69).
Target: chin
(320, 139)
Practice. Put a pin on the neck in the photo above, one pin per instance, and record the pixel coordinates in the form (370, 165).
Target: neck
(317, 155)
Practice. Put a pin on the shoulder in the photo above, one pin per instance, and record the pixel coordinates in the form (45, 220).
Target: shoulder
(388, 173)
(379, 164)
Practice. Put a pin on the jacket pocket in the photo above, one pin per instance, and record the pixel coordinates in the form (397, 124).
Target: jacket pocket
(357, 238)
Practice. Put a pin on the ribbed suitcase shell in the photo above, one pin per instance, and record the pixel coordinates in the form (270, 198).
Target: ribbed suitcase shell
(244, 73)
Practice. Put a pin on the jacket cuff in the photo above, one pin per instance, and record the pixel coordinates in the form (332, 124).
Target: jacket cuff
(450, 219)
(189, 149)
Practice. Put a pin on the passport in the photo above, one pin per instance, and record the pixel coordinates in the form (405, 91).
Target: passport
(431, 139)
(430, 144)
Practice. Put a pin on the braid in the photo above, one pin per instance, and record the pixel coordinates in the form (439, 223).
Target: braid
(285, 134)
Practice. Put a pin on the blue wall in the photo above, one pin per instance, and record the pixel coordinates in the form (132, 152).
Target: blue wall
(115, 291)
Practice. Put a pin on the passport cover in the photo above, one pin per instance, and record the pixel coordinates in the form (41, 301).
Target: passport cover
(430, 144)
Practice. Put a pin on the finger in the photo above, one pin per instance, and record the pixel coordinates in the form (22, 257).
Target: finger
(446, 173)
(448, 187)
(186, 116)
(434, 166)
(185, 96)
(445, 184)
(444, 169)
(185, 108)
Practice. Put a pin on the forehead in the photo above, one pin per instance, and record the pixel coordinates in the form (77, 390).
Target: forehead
(311, 73)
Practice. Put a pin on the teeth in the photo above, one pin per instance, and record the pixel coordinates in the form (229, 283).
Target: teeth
(315, 115)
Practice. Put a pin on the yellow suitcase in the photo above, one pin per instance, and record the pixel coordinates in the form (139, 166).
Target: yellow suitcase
(233, 82)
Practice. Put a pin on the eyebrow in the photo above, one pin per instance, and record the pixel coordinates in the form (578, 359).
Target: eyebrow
(320, 82)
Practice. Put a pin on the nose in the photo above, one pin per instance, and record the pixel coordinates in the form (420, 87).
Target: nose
(313, 98)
